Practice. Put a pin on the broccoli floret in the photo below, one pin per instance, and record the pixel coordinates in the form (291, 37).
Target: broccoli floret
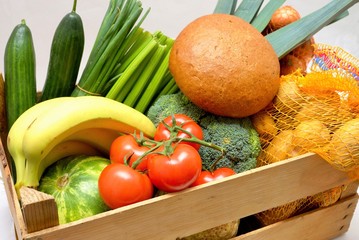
(236, 135)
(167, 105)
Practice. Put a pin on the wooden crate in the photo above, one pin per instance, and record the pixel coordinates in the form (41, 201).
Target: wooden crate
(180, 214)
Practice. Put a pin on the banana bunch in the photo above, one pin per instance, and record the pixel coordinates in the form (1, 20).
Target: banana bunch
(64, 126)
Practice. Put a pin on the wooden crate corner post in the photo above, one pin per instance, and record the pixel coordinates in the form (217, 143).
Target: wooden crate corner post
(39, 210)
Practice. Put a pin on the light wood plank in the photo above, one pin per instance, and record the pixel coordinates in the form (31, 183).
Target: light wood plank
(350, 189)
(39, 209)
(11, 195)
(193, 210)
(325, 223)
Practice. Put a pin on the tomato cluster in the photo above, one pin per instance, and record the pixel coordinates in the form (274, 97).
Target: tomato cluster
(169, 163)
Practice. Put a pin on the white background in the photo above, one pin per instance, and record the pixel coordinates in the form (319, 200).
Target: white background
(169, 16)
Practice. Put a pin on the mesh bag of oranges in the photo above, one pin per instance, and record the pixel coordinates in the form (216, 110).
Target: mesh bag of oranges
(314, 112)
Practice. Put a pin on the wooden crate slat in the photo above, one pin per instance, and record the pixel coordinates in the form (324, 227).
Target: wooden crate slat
(177, 215)
(11, 195)
(350, 189)
(39, 209)
(325, 223)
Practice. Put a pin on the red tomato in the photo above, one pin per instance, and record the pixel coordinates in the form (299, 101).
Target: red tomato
(177, 171)
(126, 147)
(187, 123)
(120, 185)
(207, 176)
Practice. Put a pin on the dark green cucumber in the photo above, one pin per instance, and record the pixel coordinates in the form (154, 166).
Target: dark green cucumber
(65, 57)
(20, 73)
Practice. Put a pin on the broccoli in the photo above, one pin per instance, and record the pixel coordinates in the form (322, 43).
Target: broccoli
(169, 104)
(236, 135)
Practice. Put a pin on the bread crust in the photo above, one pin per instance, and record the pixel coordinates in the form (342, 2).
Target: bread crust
(225, 66)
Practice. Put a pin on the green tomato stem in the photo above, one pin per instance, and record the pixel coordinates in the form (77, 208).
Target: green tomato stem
(168, 144)
(150, 151)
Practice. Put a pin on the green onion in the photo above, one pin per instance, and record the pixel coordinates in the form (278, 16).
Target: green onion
(146, 99)
(142, 41)
(128, 82)
(248, 9)
(264, 16)
(115, 91)
(117, 24)
(287, 38)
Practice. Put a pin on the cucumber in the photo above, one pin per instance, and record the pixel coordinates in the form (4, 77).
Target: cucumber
(65, 57)
(19, 73)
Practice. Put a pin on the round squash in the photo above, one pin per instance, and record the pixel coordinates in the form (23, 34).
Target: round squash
(225, 66)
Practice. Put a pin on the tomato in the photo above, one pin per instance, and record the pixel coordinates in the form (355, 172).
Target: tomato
(207, 176)
(187, 123)
(176, 171)
(120, 185)
(126, 147)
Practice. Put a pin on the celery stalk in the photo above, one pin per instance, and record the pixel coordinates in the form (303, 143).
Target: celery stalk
(152, 88)
(169, 88)
(145, 77)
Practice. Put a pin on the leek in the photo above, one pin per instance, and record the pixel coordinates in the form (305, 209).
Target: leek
(264, 16)
(248, 9)
(225, 6)
(287, 38)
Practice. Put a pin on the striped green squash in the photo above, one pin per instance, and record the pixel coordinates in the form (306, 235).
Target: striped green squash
(73, 182)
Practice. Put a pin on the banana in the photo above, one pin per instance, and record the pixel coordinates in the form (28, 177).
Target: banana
(100, 138)
(17, 132)
(64, 149)
(80, 113)
(95, 141)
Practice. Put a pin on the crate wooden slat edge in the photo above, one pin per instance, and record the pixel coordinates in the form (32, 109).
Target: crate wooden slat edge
(255, 190)
(329, 222)
(12, 198)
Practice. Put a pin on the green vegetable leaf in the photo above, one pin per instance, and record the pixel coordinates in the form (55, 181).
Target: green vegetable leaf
(341, 16)
(264, 16)
(225, 6)
(287, 38)
(248, 9)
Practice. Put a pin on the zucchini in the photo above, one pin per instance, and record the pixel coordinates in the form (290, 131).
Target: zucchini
(65, 57)
(19, 73)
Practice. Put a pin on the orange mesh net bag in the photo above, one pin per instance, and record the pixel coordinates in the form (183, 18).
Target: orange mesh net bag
(316, 112)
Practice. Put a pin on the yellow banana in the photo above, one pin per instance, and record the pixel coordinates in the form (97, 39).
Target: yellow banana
(100, 138)
(17, 132)
(64, 149)
(80, 113)
(95, 141)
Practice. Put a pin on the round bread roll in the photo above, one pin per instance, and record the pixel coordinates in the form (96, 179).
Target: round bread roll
(225, 66)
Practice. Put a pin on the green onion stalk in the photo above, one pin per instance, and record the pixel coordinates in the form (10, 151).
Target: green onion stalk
(117, 25)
